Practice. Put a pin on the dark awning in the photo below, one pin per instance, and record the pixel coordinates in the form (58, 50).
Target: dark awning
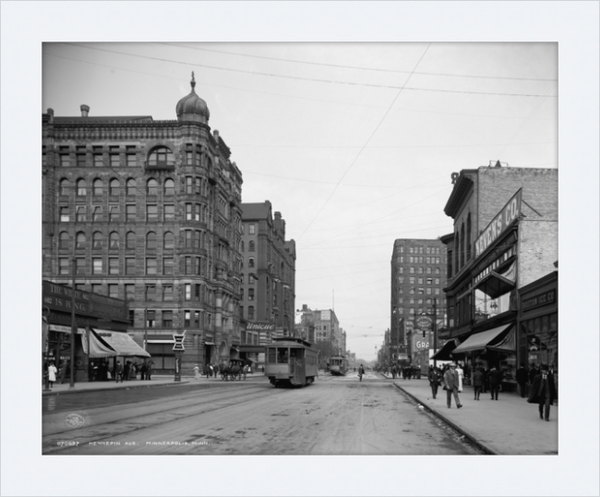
(495, 284)
(446, 352)
(483, 340)
(122, 343)
(506, 344)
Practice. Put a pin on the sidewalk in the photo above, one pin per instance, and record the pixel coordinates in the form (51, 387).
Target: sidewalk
(507, 426)
(156, 381)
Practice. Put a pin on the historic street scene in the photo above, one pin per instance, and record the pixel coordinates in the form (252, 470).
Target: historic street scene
(301, 255)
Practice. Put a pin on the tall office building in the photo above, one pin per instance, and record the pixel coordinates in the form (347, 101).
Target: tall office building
(418, 276)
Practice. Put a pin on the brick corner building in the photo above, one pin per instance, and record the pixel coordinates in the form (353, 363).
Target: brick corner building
(150, 213)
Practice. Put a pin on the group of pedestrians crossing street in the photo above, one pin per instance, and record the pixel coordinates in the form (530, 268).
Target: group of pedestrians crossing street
(542, 384)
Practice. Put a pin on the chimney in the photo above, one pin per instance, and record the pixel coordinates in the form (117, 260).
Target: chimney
(85, 109)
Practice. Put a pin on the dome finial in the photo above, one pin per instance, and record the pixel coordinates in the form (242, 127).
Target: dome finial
(193, 82)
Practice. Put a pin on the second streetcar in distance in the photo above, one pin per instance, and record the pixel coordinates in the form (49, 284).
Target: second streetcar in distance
(291, 361)
(337, 365)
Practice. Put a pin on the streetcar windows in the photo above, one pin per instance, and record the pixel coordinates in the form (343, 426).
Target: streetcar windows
(271, 355)
(282, 355)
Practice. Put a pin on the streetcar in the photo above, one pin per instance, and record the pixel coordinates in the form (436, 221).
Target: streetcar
(291, 361)
(337, 365)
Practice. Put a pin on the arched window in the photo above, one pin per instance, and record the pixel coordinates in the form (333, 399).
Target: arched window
(151, 240)
(81, 187)
(97, 187)
(114, 240)
(169, 187)
(152, 187)
(251, 245)
(64, 240)
(168, 240)
(130, 240)
(161, 157)
(65, 185)
(114, 187)
(97, 240)
(80, 240)
(131, 189)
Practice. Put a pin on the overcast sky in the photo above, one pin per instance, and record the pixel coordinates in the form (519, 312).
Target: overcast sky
(354, 143)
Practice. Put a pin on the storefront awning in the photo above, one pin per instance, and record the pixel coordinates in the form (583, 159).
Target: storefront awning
(96, 347)
(495, 284)
(122, 343)
(482, 340)
(446, 352)
(507, 344)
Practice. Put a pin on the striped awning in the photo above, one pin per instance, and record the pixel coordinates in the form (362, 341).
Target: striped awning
(485, 339)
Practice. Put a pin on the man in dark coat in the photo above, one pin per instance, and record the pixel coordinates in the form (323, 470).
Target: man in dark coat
(543, 392)
(495, 379)
(451, 386)
(522, 377)
(477, 382)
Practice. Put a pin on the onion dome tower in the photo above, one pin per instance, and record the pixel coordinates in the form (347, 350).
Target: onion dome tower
(192, 108)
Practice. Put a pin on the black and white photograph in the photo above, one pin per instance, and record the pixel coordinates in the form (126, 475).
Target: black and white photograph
(282, 256)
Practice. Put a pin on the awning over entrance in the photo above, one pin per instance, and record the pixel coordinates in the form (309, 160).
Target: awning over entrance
(122, 343)
(507, 344)
(483, 340)
(96, 347)
(446, 352)
(495, 285)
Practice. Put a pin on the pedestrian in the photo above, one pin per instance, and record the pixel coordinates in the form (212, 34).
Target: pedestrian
(126, 371)
(522, 376)
(434, 380)
(477, 382)
(533, 372)
(451, 386)
(461, 375)
(143, 368)
(361, 372)
(543, 392)
(495, 378)
(118, 372)
(52, 374)
(197, 372)
(149, 369)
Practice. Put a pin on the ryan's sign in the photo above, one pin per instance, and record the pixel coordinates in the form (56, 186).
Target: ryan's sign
(499, 224)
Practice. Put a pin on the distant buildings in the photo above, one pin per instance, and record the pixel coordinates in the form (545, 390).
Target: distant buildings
(418, 275)
(150, 213)
(328, 336)
(505, 239)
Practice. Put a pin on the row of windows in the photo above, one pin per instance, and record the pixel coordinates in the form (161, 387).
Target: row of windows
(419, 260)
(421, 310)
(421, 250)
(420, 291)
(440, 302)
(114, 213)
(412, 280)
(190, 266)
(117, 157)
(164, 319)
(114, 187)
(420, 270)
(190, 238)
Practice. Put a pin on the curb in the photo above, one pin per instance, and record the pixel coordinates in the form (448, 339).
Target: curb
(485, 449)
(135, 385)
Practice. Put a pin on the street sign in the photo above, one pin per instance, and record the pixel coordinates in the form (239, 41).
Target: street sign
(178, 341)
(424, 322)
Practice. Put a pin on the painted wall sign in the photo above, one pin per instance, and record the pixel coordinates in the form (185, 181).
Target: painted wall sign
(545, 298)
(260, 327)
(499, 224)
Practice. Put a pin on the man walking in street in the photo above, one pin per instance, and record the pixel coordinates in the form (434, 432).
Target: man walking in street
(477, 382)
(543, 392)
(434, 380)
(451, 386)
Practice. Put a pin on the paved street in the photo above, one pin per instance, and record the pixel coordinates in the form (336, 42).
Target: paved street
(335, 416)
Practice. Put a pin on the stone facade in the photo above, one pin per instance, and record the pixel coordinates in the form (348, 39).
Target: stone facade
(151, 212)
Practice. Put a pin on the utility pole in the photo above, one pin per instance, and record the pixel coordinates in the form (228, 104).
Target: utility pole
(434, 328)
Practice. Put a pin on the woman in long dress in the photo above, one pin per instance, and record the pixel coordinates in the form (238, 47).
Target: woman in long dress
(461, 374)
(197, 372)
(52, 374)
